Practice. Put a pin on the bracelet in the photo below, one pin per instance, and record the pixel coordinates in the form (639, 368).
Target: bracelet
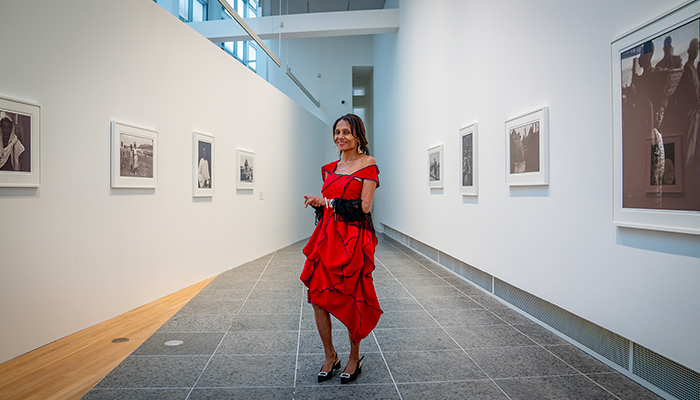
(329, 203)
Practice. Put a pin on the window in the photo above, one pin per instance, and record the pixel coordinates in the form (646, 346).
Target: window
(252, 55)
(240, 47)
(185, 10)
(252, 8)
(197, 10)
(193, 10)
(245, 52)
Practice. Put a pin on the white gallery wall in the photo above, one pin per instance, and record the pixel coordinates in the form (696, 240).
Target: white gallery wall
(75, 252)
(324, 67)
(487, 62)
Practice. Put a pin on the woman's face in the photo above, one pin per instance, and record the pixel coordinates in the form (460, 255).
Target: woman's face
(343, 137)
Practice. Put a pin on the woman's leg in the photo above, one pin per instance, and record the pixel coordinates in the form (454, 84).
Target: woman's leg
(354, 358)
(323, 324)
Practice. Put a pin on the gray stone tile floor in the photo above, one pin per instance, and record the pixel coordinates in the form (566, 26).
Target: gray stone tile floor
(250, 334)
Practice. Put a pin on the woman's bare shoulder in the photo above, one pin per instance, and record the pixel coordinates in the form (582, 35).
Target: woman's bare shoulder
(368, 160)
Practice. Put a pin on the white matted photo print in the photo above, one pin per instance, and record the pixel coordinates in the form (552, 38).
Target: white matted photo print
(656, 124)
(134, 156)
(468, 146)
(435, 167)
(202, 165)
(20, 156)
(245, 175)
(527, 149)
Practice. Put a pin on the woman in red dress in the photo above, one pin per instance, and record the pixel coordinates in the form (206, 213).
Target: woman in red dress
(340, 252)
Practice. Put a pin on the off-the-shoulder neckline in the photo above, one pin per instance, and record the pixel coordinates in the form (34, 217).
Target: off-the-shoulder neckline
(353, 173)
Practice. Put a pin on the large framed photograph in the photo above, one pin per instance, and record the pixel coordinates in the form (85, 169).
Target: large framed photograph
(245, 178)
(656, 124)
(527, 149)
(134, 157)
(20, 155)
(435, 168)
(468, 145)
(202, 165)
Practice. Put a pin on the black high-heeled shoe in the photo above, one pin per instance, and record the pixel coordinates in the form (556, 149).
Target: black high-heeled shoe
(347, 378)
(324, 376)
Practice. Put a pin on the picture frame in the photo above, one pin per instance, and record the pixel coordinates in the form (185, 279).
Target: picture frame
(527, 149)
(20, 127)
(203, 153)
(134, 156)
(245, 174)
(436, 167)
(652, 110)
(468, 138)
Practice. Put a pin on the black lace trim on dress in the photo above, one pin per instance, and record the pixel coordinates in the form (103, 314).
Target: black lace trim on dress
(319, 214)
(351, 212)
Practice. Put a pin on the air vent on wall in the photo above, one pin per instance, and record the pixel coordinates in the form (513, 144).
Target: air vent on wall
(604, 342)
(667, 375)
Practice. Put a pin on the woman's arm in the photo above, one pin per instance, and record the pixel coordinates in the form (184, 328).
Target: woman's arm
(367, 196)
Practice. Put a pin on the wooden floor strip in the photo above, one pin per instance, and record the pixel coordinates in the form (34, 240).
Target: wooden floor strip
(68, 368)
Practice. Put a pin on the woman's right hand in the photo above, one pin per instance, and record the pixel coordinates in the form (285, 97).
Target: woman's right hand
(313, 201)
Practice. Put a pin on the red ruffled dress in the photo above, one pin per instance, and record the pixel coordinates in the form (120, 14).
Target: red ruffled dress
(340, 257)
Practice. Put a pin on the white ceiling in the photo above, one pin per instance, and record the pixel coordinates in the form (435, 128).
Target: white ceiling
(272, 7)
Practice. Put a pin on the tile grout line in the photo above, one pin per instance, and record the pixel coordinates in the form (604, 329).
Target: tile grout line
(386, 363)
(296, 365)
(506, 322)
(229, 328)
(445, 330)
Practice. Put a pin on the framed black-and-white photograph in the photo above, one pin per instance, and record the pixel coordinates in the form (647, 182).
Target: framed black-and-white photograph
(245, 176)
(20, 156)
(656, 124)
(527, 149)
(435, 169)
(468, 145)
(202, 165)
(134, 157)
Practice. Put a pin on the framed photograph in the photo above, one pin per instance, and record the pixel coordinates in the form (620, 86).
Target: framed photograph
(20, 155)
(245, 178)
(468, 145)
(202, 165)
(134, 157)
(527, 149)
(435, 170)
(656, 124)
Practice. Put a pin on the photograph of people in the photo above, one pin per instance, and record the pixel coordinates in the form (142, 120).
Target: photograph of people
(467, 159)
(204, 170)
(661, 102)
(12, 154)
(136, 156)
(340, 252)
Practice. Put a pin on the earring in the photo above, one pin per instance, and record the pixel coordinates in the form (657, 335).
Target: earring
(336, 151)
(358, 150)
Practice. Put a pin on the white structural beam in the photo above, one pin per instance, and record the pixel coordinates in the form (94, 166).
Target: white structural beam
(295, 26)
